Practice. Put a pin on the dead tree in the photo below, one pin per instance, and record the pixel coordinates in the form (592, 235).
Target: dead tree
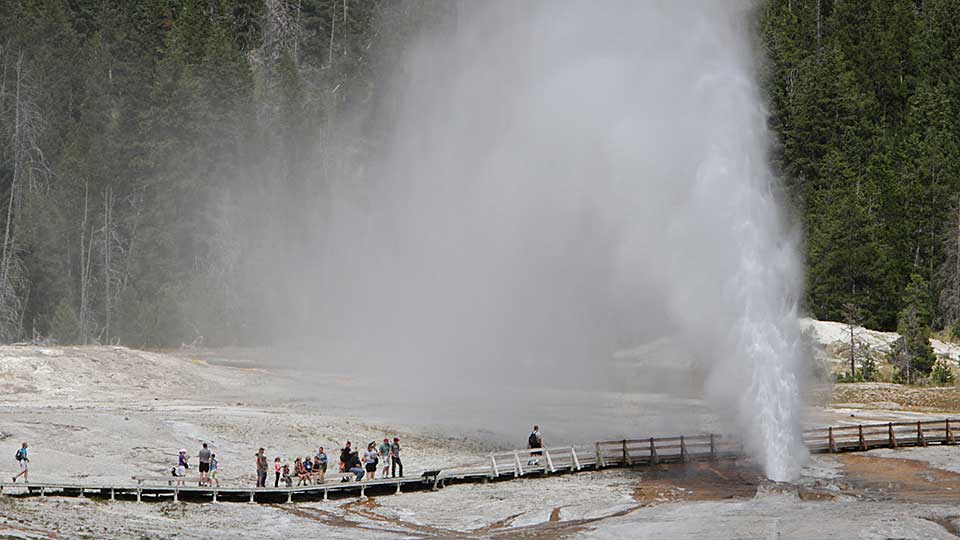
(949, 272)
(853, 319)
(19, 108)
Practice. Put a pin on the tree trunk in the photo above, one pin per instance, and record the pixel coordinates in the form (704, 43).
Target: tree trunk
(333, 30)
(107, 204)
(84, 265)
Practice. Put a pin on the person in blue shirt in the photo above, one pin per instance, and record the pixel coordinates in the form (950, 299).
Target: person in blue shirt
(24, 461)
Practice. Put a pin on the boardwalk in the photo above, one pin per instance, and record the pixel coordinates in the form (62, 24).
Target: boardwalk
(506, 466)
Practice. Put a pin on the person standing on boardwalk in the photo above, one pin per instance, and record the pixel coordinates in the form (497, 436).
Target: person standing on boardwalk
(395, 457)
(535, 440)
(183, 464)
(213, 470)
(370, 458)
(320, 462)
(385, 456)
(261, 469)
(24, 462)
(276, 471)
(204, 458)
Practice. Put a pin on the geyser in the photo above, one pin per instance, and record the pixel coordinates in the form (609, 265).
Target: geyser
(566, 180)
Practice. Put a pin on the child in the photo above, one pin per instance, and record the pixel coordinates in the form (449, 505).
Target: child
(286, 475)
(182, 465)
(213, 470)
(276, 469)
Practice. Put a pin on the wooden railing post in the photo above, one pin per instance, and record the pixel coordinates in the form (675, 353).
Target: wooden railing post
(833, 443)
(713, 448)
(949, 432)
(863, 442)
(626, 454)
(573, 455)
(549, 466)
(517, 470)
(493, 466)
(683, 450)
(653, 452)
(600, 462)
(892, 437)
(921, 441)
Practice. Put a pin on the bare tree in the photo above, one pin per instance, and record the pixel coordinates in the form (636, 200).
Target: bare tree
(20, 110)
(949, 272)
(86, 260)
(853, 318)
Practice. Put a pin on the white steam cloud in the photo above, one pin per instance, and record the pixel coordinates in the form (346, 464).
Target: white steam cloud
(566, 180)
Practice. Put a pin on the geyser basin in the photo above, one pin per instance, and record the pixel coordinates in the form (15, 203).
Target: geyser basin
(569, 179)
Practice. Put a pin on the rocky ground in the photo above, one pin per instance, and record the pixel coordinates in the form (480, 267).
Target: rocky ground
(105, 414)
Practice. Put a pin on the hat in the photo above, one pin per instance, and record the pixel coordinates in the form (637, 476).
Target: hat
(183, 450)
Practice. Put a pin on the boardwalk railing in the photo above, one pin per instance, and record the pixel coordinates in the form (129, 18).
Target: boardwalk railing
(889, 435)
(529, 461)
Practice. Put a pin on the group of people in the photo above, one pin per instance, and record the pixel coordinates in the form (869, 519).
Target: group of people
(208, 466)
(352, 465)
(307, 470)
(352, 462)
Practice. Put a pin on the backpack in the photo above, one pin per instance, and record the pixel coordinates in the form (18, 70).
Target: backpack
(533, 441)
(19, 454)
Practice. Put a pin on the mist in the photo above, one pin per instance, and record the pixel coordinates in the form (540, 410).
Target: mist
(566, 183)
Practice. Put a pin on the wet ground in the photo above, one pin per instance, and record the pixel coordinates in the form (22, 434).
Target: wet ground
(109, 413)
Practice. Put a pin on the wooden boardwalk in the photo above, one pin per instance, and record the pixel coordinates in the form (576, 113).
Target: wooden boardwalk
(505, 466)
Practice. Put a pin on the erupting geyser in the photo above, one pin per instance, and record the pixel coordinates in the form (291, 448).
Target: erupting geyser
(568, 179)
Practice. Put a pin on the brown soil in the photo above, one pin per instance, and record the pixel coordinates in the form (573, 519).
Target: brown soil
(362, 515)
(893, 479)
(887, 395)
(697, 482)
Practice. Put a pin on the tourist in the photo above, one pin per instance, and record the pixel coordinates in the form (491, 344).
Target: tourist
(298, 470)
(276, 471)
(395, 457)
(385, 456)
(204, 459)
(286, 475)
(261, 469)
(370, 459)
(320, 463)
(24, 462)
(345, 460)
(182, 465)
(213, 469)
(308, 468)
(353, 466)
(535, 440)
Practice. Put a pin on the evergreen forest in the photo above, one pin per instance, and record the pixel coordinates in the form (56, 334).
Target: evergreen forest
(150, 149)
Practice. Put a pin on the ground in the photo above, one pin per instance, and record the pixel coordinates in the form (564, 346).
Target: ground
(108, 413)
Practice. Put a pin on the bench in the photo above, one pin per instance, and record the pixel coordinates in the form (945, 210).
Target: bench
(431, 475)
(169, 480)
